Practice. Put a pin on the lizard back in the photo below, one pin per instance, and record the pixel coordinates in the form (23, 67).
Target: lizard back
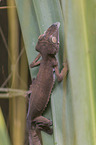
(41, 89)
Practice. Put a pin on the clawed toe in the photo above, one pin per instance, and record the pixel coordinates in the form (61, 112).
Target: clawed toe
(45, 129)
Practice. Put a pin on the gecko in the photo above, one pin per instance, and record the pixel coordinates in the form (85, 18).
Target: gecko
(40, 90)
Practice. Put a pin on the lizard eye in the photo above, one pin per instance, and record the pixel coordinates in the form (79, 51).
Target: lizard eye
(54, 40)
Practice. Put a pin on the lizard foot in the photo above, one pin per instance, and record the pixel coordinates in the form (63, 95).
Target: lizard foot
(45, 129)
(43, 124)
(42, 121)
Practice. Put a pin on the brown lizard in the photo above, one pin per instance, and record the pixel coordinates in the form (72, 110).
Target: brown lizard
(40, 90)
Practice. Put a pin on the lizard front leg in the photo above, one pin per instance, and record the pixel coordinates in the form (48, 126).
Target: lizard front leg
(35, 62)
(63, 73)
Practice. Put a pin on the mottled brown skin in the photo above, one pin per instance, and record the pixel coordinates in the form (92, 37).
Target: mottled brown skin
(47, 46)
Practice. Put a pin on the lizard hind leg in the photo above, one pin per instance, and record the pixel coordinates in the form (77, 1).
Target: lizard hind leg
(43, 124)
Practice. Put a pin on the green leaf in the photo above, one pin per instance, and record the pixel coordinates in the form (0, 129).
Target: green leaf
(29, 27)
(80, 35)
(4, 138)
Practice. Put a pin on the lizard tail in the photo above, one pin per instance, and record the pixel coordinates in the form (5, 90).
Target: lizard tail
(34, 137)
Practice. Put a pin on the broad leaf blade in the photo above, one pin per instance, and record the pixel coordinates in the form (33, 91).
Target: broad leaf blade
(4, 138)
(80, 42)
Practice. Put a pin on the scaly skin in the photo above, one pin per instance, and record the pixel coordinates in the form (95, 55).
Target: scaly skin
(48, 46)
(41, 89)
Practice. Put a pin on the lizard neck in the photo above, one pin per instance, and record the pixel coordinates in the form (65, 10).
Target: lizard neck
(49, 60)
(48, 57)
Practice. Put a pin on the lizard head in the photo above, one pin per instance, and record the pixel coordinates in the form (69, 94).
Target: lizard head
(48, 43)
